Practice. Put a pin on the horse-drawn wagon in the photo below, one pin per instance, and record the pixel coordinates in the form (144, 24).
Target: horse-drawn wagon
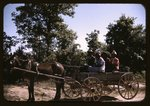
(90, 86)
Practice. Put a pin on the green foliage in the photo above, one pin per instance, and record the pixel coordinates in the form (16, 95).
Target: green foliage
(92, 40)
(8, 42)
(71, 56)
(50, 58)
(41, 27)
(65, 38)
(129, 41)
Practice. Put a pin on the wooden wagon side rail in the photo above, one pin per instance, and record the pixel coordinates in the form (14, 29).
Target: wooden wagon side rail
(72, 66)
(42, 74)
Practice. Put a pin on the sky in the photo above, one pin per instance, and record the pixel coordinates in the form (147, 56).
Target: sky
(87, 18)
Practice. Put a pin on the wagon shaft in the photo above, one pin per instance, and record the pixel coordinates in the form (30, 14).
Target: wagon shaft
(41, 74)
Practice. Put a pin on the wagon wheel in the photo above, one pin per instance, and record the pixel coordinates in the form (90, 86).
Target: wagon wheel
(128, 86)
(91, 89)
(106, 90)
(72, 88)
(139, 77)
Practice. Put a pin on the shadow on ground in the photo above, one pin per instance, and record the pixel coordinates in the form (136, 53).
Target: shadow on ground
(103, 98)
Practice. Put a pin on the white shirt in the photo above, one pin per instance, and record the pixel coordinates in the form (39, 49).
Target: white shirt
(100, 66)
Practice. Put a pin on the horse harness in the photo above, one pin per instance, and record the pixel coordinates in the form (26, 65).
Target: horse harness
(30, 66)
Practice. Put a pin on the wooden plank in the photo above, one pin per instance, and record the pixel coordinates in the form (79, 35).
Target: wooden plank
(42, 74)
(106, 76)
(71, 66)
(114, 76)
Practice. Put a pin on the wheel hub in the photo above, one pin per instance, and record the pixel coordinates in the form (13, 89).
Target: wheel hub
(92, 90)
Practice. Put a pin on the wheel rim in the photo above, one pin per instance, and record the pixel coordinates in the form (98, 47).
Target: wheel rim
(92, 89)
(72, 88)
(128, 86)
(106, 90)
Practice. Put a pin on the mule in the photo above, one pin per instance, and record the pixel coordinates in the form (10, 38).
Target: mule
(53, 68)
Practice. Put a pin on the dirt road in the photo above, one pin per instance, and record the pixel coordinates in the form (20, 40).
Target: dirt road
(45, 92)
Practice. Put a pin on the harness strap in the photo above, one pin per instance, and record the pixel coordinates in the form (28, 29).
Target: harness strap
(29, 63)
(37, 64)
(16, 58)
(30, 66)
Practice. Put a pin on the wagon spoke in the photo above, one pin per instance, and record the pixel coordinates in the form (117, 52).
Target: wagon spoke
(125, 94)
(130, 92)
(123, 81)
(68, 91)
(93, 88)
(72, 88)
(130, 86)
(96, 96)
(86, 95)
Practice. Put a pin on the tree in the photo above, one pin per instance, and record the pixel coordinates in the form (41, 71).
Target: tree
(66, 39)
(128, 40)
(71, 56)
(92, 40)
(41, 26)
(8, 42)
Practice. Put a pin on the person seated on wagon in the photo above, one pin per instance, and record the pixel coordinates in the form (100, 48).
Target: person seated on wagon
(114, 61)
(107, 58)
(91, 58)
(99, 63)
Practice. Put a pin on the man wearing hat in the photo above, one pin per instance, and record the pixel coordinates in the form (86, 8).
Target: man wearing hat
(99, 63)
(91, 58)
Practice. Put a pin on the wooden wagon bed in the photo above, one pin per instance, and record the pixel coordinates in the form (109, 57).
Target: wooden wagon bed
(110, 77)
(93, 85)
